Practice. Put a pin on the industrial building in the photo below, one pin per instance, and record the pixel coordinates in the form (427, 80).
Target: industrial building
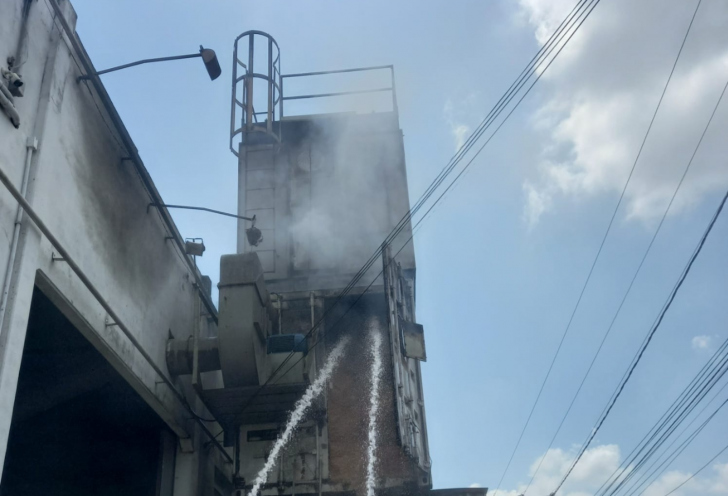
(118, 373)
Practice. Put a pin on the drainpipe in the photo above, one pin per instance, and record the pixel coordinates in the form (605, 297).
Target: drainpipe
(319, 461)
(31, 147)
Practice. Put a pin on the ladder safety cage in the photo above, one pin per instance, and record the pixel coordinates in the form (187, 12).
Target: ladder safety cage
(248, 125)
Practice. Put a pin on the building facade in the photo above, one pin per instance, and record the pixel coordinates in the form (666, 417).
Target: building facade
(118, 374)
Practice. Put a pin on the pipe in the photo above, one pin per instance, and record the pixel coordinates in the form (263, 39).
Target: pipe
(104, 304)
(139, 62)
(204, 209)
(31, 147)
(319, 463)
(312, 304)
(134, 155)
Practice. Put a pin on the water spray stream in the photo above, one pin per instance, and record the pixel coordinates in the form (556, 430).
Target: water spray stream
(300, 408)
(376, 372)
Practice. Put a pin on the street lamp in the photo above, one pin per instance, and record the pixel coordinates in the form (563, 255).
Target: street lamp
(208, 58)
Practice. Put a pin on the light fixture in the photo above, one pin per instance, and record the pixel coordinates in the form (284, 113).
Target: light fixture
(194, 247)
(211, 63)
(255, 237)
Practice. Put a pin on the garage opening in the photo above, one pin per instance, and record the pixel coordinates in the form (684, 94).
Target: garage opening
(78, 428)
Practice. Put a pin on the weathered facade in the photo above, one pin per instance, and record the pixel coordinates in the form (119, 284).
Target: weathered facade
(74, 163)
(325, 191)
(117, 373)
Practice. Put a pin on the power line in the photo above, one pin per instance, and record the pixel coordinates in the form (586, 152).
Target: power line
(530, 70)
(678, 451)
(631, 284)
(593, 265)
(699, 470)
(465, 168)
(650, 335)
(681, 408)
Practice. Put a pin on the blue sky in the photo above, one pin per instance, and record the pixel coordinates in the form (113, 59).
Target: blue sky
(502, 260)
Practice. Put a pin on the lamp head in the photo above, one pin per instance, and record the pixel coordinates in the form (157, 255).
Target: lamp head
(211, 63)
(255, 237)
(195, 249)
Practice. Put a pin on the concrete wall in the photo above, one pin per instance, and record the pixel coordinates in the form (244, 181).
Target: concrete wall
(96, 205)
(325, 199)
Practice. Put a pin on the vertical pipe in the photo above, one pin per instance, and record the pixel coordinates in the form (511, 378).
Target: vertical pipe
(319, 461)
(249, 84)
(394, 92)
(281, 109)
(31, 146)
(269, 124)
(312, 303)
(233, 105)
(280, 97)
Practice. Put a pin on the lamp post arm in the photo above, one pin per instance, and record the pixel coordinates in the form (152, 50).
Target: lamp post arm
(204, 209)
(140, 62)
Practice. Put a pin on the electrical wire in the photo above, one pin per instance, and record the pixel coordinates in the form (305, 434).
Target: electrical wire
(665, 464)
(405, 221)
(631, 284)
(681, 408)
(593, 265)
(650, 335)
(698, 471)
(454, 181)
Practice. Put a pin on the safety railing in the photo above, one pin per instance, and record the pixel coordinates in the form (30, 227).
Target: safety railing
(391, 88)
(264, 90)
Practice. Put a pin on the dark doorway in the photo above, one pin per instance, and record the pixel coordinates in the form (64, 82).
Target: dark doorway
(78, 427)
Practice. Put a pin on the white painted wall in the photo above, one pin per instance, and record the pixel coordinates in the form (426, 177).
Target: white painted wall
(96, 205)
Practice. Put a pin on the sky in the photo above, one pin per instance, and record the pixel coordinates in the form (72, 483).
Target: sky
(502, 260)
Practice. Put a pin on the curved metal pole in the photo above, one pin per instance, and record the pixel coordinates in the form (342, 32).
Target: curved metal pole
(139, 62)
(204, 209)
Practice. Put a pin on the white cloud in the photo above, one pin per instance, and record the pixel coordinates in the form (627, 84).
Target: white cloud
(600, 96)
(458, 118)
(598, 464)
(475, 484)
(702, 342)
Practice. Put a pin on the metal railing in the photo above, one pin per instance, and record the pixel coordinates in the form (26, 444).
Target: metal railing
(245, 125)
(391, 88)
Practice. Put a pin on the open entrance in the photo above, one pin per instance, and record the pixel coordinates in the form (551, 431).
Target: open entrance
(78, 428)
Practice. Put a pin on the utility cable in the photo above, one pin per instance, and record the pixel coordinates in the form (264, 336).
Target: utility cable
(651, 334)
(665, 464)
(459, 155)
(631, 284)
(596, 258)
(646, 477)
(699, 470)
(676, 416)
(710, 364)
(465, 168)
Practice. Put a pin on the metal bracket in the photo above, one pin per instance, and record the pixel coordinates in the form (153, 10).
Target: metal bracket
(54, 258)
(108, 322)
